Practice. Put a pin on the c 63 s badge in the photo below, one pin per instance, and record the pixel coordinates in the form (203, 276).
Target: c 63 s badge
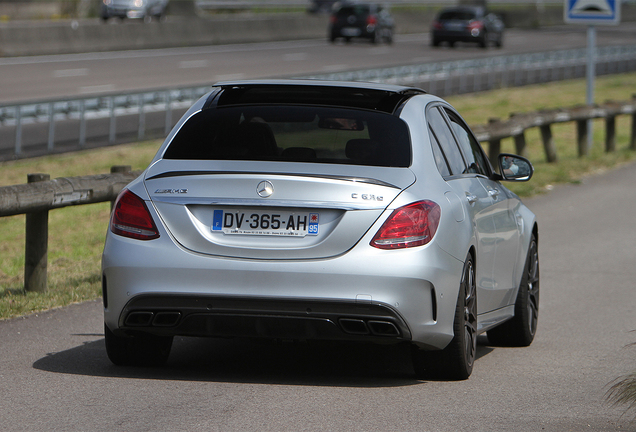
(171, 191)
(367, 197)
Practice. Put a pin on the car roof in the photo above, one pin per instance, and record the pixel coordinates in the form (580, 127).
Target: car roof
(465, 8)
(348, 3)
(361, 95)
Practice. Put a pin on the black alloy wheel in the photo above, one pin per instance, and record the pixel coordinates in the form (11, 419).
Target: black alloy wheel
(520, 330)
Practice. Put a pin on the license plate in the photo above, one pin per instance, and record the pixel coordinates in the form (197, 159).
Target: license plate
(455, 26)
(263, 223)
(351, 31)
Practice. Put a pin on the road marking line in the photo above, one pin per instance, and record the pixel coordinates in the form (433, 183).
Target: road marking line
(295, 57)
(65, 73)
(97, 89)
(192, 64)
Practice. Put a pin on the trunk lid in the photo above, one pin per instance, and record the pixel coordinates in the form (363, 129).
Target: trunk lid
(270, 210)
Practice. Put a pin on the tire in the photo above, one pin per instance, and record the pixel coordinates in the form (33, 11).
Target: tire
(455, 362)
(520, 330)
(483, 42)
(146, 350)
(377, 37)
(499, 42)
(388, 36)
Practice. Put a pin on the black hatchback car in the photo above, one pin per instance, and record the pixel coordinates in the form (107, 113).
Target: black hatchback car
(467, 24)
(371, 21)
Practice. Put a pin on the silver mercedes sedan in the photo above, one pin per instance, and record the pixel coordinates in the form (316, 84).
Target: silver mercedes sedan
(303, 210)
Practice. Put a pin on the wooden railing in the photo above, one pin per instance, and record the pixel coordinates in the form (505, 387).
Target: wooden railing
(41, 194)
(517, 125)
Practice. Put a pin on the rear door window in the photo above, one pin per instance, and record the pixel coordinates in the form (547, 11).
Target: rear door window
(440, 129)
(471, 149)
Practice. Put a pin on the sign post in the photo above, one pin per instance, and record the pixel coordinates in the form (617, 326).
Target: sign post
(591, 13)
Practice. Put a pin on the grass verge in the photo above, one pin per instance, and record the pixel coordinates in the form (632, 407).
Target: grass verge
(76, 234)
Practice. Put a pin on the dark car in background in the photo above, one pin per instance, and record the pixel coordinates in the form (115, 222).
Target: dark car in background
(467, 24)
(371, 21)
(133, 9)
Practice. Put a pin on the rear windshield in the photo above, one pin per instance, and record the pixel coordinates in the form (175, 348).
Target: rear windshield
(294, 134)
(353, 10)
(457, 15)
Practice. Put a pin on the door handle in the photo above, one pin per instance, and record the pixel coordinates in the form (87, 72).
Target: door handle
(494, 193)
(472, 199)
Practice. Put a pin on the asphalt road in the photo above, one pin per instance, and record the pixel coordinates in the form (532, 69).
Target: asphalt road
(43, 77)
(54, 374)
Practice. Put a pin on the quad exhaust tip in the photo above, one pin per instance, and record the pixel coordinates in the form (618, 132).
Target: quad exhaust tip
(148, 319)
(370, 327)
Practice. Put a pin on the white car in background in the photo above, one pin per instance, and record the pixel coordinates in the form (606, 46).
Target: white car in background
(133, 9)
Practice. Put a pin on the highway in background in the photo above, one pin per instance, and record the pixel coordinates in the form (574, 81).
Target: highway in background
(44, 77)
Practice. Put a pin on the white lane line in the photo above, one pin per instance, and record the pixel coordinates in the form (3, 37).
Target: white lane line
(295, 57)
(66, 73)
(97, 89)
(192, 64)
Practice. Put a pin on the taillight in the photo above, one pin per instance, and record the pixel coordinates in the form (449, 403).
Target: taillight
(371, 20)
(132, 219)
(409, 226)
(437, 25)
(333, 19)
(475, 25)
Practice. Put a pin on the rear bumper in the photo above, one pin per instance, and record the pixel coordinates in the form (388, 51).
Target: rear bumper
(366, 32)
(370, 294)
(445, 36)
(121, 12)
(225, 316)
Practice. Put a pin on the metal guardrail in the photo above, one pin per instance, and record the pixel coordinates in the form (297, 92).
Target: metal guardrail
(251, 4)
(442, 78)
(513, 66)
(109, 106)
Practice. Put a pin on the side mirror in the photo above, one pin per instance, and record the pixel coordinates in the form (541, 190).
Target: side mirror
(515, 168)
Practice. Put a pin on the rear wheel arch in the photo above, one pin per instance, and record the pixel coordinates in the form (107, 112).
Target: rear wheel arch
(456, 361)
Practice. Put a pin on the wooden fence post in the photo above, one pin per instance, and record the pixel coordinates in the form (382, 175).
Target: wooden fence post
(37, 238)
(632, 142)
(494, 146)
(610, 134)
(548, 143)
(119, 169)
(520, 144)
(581, 137)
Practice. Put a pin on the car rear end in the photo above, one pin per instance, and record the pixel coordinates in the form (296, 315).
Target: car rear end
(353, 21)
(457, 25)
(282, 212)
